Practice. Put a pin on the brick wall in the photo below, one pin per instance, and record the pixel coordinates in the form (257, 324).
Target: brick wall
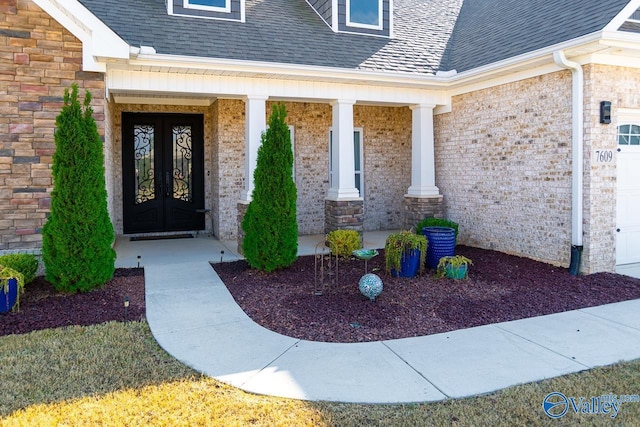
(387, 163)
(38, 60)
(311, 124)
(229, 149)
(621, 86)
(503, 163)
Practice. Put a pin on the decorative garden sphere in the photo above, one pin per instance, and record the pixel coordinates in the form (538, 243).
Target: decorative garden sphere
(370, 286)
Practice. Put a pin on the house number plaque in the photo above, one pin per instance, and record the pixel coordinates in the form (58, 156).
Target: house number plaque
(602, 156)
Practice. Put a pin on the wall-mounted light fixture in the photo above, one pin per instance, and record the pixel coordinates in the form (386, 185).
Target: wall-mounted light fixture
(605, 112)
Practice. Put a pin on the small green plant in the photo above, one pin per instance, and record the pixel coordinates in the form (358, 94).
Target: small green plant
(343, 242)
(7, 273)
(449, 263)
(400, 243)
(436, 222)
(27, 264)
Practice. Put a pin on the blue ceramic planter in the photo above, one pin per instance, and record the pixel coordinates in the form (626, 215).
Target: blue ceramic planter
(409, 264)
(441, 241)
(8, 299)
(456, 272)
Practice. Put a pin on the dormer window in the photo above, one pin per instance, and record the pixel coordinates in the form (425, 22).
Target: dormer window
(364, 14)
(370, 17)
(232, 10)
(211, 5)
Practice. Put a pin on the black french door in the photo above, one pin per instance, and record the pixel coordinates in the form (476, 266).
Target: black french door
(163, 172)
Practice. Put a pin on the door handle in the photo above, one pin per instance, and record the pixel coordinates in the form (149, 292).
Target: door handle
(168, 184)
(618, 230)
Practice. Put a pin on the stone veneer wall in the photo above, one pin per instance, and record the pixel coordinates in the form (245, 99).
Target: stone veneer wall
(418, 208)
(621, 86)
(114, 167)
(38, 61)
(503, 163)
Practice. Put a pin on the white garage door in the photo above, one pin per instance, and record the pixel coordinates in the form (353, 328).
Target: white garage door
(628, 188)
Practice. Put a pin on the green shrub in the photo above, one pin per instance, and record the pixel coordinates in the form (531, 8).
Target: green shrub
(270, 224)
(401, 243)
(343, 242)
(77, 238)
(436, 222)
(27, 264)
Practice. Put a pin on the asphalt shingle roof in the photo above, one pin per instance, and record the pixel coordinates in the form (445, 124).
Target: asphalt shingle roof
(488, 31)
(429, 35)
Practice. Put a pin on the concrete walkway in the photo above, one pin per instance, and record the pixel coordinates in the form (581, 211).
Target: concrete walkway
(195, 319)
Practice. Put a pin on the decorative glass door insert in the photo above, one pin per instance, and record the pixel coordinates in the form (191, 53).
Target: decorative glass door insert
(163, 177)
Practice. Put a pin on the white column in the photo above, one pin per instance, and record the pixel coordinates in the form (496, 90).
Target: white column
(423, 169)
(256, 123)
(343, 155)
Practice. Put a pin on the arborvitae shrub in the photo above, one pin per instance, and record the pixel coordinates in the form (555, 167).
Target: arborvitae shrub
(78, 236)
(270, 225)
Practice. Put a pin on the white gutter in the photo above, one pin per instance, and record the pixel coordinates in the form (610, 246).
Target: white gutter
(447, 80)
(577, 137)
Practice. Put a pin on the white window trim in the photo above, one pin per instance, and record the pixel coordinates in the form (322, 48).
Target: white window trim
(226, 9)
(357, 172)
(380, 25)
(292, 134)
(628, 134)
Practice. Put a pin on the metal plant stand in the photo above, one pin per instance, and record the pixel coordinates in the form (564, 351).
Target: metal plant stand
(326, 268)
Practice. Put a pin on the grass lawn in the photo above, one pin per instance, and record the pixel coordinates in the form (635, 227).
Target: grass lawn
(116, 374)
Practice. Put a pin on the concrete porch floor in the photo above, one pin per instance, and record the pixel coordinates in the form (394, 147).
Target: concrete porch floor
(210, 249)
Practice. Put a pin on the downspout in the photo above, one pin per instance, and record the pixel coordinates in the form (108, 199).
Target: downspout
(577, 163)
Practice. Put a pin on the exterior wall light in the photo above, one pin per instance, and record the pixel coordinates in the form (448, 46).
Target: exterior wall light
(605, 112)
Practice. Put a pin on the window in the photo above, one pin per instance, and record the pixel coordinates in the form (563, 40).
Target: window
(357, 160)
(629, 135)
(364, 13)
(213, 5)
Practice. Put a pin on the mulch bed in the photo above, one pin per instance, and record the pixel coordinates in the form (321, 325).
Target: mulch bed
(42, 307)
(500, 288)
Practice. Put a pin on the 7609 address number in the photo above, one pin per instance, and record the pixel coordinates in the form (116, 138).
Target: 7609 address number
(603, 156)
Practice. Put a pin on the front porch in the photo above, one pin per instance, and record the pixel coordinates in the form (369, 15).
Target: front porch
(210, 249)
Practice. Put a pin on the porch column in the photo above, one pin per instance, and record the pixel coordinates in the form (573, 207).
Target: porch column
(255, 123)
(423, 170)
(255, 109)
(423, 198)
(343, 207)
(343, 182)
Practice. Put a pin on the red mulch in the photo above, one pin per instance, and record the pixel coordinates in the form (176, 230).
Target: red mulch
(500, 288)
(42, 307)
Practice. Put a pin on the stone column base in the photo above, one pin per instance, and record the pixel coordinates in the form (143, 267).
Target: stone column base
(418, 208)
(344, 215)
(242, 210)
